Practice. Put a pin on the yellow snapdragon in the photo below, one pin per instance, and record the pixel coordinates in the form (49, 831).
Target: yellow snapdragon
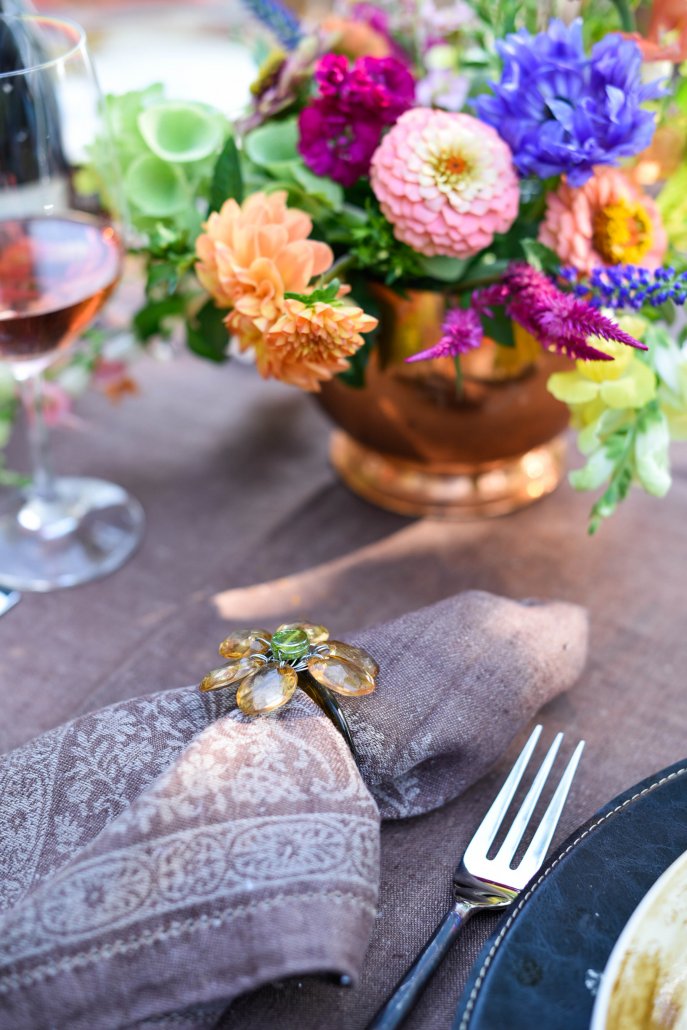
(592, 387)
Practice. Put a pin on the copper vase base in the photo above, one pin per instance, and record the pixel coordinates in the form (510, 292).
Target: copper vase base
(412, 489)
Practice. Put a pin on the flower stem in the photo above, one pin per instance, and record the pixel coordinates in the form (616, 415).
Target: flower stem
(459, 377)
(340, 266)
(627, 18)
(476, 284)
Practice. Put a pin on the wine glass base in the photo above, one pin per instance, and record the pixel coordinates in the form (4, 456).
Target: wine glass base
(88, 530)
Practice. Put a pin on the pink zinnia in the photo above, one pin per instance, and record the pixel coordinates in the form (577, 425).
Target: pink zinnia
(607, 221)
(446, 182)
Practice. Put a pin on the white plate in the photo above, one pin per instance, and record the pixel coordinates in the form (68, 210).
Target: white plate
(644, 985)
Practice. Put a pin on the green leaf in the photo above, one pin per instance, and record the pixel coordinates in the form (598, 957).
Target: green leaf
(274, 146)
(325, 294)
(445, 269)
(13, 479)
(360, 292)
(317, 186)
(156, 188)
(162, 274)
(227, 180)
(499, 328)
(485, 268)
(680, 95)
(206, 334)
(181, 132)
(151, 319)
(540, 257)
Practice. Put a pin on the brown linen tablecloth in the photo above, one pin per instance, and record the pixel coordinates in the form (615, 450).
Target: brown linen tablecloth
(234, 478)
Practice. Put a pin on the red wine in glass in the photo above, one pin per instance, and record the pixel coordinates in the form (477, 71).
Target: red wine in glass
(55, 275)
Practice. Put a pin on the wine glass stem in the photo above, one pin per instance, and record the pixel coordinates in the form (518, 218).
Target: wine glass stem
(42, 487)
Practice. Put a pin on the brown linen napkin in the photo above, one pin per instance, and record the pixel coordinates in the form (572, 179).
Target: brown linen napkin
(169, 852)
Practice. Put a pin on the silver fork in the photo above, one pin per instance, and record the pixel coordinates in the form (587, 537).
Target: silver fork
(480, 882)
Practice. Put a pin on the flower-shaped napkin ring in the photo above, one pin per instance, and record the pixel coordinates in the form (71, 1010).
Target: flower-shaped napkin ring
(267, 667)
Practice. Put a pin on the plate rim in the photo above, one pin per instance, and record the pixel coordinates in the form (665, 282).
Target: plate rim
(469, 998)
(609, 975)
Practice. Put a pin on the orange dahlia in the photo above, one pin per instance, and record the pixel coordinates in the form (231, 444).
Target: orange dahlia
(607, 221)
(257, 252)
(309, 343)
(356, 38)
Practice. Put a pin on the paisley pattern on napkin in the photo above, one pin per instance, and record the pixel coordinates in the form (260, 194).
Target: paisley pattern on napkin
(168, 853)
(119, 837)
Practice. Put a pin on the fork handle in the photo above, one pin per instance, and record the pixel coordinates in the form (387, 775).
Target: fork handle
(396, 1009)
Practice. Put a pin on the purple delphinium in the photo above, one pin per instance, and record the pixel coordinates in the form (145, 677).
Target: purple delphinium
(340, 129)
(279, 19)
(461, 331)
(561, 111)
(629, 286)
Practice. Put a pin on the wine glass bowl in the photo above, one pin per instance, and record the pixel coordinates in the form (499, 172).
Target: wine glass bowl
(61, 256)
(55, 275)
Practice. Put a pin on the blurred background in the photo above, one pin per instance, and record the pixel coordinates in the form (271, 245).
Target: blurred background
(199, 49)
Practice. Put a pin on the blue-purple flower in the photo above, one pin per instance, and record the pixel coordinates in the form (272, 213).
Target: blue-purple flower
(279, 19)
(630, 286)
(561, 111)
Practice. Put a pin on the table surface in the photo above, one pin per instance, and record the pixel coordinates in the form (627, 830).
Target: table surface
(234, 478)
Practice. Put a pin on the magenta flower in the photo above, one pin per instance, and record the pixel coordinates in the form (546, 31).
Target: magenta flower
(383, 86)
(460, 332)
(335, 145)
(559, 321)
(341, 128)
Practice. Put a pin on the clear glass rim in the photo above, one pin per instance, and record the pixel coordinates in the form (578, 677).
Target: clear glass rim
(76, 41)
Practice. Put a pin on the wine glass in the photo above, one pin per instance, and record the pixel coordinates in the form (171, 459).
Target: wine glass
(61, 256)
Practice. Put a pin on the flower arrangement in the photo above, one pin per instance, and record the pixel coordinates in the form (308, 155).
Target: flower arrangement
(535, 173)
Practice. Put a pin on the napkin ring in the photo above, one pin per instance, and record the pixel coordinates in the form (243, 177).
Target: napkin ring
(267, 667)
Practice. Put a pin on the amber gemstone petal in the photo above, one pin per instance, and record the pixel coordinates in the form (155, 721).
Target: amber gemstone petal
(269, 688)
(232, 672)
(315, 634)
(341, 676)
(244, 641)
(356, 655)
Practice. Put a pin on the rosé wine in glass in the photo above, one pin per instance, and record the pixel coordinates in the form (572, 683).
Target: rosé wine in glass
(61, 256)
(55, 275)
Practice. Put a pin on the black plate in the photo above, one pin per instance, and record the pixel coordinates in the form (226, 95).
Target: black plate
(541, 967)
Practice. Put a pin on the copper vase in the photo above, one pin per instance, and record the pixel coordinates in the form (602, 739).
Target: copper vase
(411, 442)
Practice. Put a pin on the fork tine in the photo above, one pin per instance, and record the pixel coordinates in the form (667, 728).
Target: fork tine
(521, 820)
(534, 856)
(488, 828)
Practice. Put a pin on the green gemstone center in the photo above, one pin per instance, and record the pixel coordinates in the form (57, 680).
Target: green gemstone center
(288, 644)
